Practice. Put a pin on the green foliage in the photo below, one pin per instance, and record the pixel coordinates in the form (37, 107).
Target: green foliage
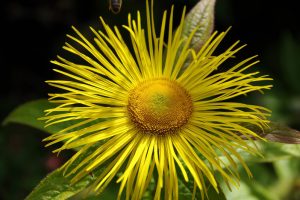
(56, 186)
(186, 191)
(201, 20)
(275, 180)
(28, 114)
(201, 17)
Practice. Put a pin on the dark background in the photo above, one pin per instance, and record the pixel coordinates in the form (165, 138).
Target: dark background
(33, 32)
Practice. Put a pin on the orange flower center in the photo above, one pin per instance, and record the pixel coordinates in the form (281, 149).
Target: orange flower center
(159, 106)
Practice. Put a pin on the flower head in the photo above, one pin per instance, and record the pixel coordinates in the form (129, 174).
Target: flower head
(141, 112)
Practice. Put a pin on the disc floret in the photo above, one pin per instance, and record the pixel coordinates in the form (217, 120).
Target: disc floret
(159, 106)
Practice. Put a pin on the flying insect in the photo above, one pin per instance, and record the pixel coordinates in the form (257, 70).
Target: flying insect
(115, 6)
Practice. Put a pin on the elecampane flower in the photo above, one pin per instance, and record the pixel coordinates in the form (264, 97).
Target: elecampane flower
(144, 113)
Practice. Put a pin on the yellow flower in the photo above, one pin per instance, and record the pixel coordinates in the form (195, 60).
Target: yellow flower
(145, 114)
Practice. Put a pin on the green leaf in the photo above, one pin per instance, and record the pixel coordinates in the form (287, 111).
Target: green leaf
(212, 194)
(246, 192)
(185, 189)
(271, 152)
(201, 16)
(57, 187)
(110, 193)
(277, 150)
(28, 114)
(282, 143)
(271, 181)
(255, 188)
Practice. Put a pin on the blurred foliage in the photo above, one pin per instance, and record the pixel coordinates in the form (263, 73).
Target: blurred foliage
(35, 30)
(272, 181)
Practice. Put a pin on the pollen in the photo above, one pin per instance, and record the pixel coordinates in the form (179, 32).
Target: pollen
(159, 106)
